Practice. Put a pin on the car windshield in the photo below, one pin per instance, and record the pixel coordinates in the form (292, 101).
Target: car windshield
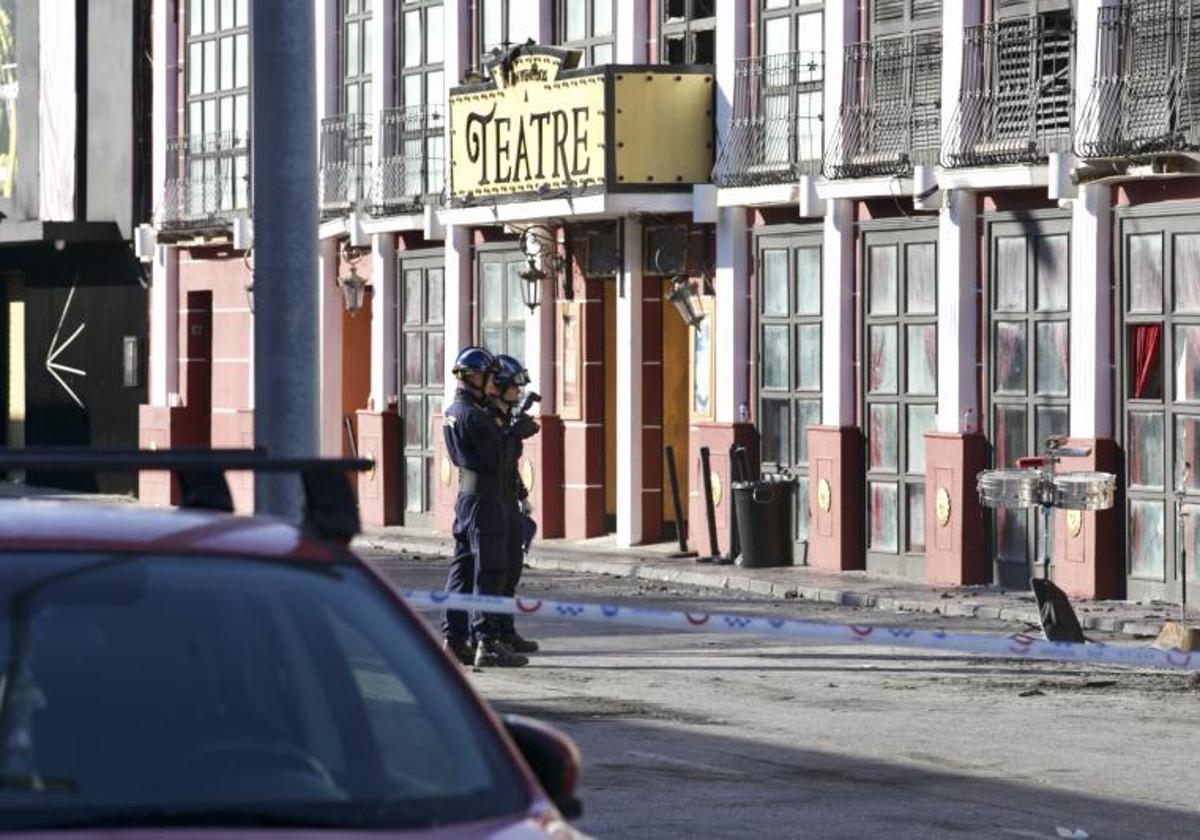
(165, 690)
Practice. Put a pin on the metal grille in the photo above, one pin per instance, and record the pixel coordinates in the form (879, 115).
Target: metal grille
(208, 182)
(411, 170)
(1144, 99)
(345, 164)
(1017, 98)
(776, 132)
(890, 117)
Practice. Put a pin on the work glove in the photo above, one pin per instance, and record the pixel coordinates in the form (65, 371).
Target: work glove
(525, 427)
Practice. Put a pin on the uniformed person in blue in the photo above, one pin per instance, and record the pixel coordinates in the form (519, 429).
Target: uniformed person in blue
(478, 446)
(510, 378)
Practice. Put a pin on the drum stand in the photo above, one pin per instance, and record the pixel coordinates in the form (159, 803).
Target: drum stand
(1176, 634)
(1055, 613)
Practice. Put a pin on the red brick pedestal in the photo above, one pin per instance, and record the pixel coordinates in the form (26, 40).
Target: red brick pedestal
(835, 491)
(380, 499)
(1087, 549)
(719, 438)
(955, 526)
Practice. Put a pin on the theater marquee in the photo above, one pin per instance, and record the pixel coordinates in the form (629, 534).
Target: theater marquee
(541, 129)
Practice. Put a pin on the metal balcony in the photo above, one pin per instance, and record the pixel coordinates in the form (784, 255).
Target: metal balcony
(776, 132)
(207, 183)
(345, 164)
(1145, 99)
(411, 173)
(1017, 97)
(891, 108)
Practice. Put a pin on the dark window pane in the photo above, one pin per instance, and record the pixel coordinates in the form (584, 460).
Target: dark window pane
(1010, 273)
(1145, 449)
(808, 352)
(412, 296)
(883, 517)
(1187, 273)
(414, 421)
(775, 282)
(434, 300)
(916, 517)
(776, 432)
(882, 437)
(802, 509)
(808, 413)
(1052, 352)
(1187, 451)
(775, 356)
(922, 279)
(1052, 421)
(435, 359)
(1010, 350)
(1145, 272)
(676, 49)
(1012, 435)
(920, 421)
(1146, 539)
(808, 281)
(882, 360)
(883, 280)
(1053, 273)
(705, 47)
(1185, 376)
(921, 356)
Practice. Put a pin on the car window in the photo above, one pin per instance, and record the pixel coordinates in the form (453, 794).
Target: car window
(220, 687)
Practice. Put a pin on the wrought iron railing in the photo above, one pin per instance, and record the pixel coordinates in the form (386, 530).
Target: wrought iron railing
(1016, 100)
(207, 181)
(1145, 97)
(345, 164)
(411, 172)
(775, 135)
(891, 105)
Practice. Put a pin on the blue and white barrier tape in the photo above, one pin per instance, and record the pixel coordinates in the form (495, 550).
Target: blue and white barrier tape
(1016, 646)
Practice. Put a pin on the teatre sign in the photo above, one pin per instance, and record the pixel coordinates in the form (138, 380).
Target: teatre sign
(529, 130)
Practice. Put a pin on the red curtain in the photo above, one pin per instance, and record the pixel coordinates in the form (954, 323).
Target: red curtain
(1147, 339)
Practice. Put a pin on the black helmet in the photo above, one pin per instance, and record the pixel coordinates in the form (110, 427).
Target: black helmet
(473, 359)
(510, 371)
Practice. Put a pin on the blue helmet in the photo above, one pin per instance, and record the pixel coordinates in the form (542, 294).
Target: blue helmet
(510, 371)
(473, 359)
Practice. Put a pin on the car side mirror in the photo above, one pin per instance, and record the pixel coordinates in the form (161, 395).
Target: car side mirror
(553, 758)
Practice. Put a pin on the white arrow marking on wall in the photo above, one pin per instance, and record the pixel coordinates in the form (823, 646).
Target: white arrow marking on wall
(56, 349)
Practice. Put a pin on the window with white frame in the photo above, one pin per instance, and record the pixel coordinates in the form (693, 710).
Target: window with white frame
(588, 26)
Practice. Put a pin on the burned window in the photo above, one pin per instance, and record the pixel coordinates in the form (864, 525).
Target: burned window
(689, 29)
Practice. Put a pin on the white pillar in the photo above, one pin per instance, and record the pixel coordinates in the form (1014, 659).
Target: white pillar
(330, 349)
(383, 78)
(731, 338)
(733, 43)
(629, 390)
(456, 298)
(164, 290)
(383, 320)
(837, 330)
(1091, 266)
(957, 267)
(632, 33)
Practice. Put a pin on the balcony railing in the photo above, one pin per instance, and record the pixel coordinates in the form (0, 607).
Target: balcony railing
(208, 182)
(411, 170)
(1016, 100)
(776, 132)
(1145, 99)
(890, 117)
(345, 164)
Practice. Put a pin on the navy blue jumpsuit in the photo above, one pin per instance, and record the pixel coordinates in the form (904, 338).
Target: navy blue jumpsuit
(513, 492)
(478, 446)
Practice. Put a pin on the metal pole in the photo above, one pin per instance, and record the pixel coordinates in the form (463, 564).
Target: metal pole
(283, 94)
(709, 508)
(680, 530)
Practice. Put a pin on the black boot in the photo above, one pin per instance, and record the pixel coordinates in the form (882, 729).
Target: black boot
(460, 649)
(517, 643)
(492, 653)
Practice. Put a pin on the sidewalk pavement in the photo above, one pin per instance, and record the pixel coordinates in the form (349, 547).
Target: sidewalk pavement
(601, 556)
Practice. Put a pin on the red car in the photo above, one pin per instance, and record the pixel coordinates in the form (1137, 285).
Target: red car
(171, 670)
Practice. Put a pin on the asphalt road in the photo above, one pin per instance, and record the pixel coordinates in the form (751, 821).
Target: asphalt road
(706, 735)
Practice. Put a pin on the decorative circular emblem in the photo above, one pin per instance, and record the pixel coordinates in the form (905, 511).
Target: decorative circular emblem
(941, 506)
(824, 497)
(717, 488)
(1074, 522)
(445, 472)
(525, 468)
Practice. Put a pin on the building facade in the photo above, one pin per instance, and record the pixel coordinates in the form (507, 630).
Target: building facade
(74, 114)
(911, 240)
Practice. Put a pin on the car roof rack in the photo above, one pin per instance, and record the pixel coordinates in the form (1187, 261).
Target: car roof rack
(330, 508)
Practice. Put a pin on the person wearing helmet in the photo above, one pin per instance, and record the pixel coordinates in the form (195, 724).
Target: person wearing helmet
(478, 446)
(510, 378)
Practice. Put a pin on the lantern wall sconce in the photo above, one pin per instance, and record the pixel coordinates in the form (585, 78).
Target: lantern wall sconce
(683, 296)
(353, 284)
(540, 247)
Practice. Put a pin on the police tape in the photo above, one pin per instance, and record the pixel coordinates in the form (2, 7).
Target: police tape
(1016, 646)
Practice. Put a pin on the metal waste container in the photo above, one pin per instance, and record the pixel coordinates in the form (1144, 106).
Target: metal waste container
(764, 520)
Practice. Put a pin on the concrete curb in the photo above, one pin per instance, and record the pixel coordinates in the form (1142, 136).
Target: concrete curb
(735, 579)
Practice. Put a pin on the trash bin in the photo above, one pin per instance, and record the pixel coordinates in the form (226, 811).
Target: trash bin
(764, 520)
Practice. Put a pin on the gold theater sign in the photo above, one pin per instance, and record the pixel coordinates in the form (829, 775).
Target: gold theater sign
(540, 128)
